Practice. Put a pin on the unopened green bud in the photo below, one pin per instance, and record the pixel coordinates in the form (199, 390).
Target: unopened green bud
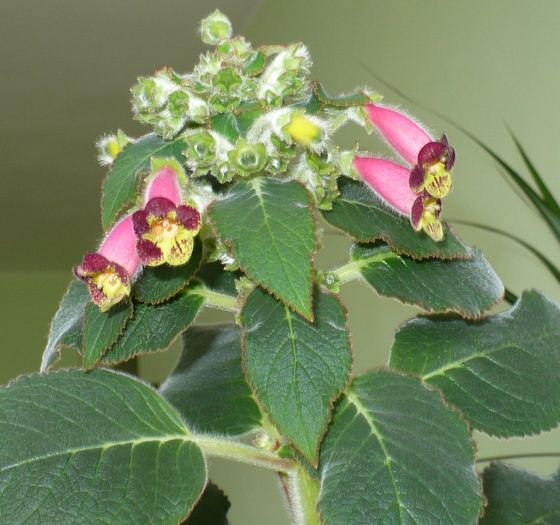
(215, 28)
(150, 94)
(321, 164)
(286, 75)
(330, 281)
(178, 104)
(226, 80)
(200, 150)
(247, 158)
(238, 46)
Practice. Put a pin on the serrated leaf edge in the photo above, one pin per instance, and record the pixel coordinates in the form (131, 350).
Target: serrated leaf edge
(315, 460)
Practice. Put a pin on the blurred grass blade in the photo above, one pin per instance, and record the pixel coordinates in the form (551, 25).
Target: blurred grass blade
(551, 217)
(547, 196)
(510, 297)
(537, 253)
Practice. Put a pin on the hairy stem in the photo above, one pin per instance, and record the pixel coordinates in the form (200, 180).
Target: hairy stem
(301, 494)
(520, 456)
(228, 449)
(348, 272)
(217, 300)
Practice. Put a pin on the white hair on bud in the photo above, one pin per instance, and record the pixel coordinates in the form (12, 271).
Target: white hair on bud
(103, 157)
(271, 81)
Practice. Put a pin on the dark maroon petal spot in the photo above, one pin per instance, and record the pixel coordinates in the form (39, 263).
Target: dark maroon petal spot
(432, 153)
(92, 263)
(97, 295)
(159, 207)
(416, 212)
(121, 272)
(188, 217)
(148, 252)
(140, 222)
(416, 179)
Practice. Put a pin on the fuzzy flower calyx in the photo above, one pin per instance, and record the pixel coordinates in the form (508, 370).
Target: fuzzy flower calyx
(215, 28)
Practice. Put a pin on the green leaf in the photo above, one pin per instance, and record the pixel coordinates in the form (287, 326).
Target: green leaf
(215, 278)
(502, 372)
(66, 324)
(94, 448)
(208, 385)
(155, 327)
(160, 283)
(363, 216)
(468, 287)
(547, 196)
(211, 509)
(296, 368)
(102, 329)
(358, 98)
(268, 226)
(516, 496)
(254, 65)
(396, 454)
(226, 125)
(246, 114)
(551, 217)
(121, 185)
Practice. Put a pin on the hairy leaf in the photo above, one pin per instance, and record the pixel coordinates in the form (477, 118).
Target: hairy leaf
(123, 180)
(215, 278)
(94, 448)
(66, 324)
(296, 368)
(358, 98)
(155, 327)
(208, 385)
(363, 216)
(102, 329)
(502, 372)
(268, 226)
(516, 496)
(160, 283)
(466, 286)
(396, 454)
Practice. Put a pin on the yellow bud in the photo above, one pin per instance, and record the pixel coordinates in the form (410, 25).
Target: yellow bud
(303, 130)
(113, 148)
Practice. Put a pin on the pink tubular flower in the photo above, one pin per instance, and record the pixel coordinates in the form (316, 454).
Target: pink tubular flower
(165, 228)
(109, 271)
(415, 190)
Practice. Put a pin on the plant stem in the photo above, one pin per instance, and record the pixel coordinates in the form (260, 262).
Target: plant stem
(348, 272)
(217, 300)
(301, 494)
(520, 456)
(228, 449)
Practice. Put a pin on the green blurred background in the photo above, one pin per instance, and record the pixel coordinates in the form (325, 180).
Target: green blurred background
(65, 70)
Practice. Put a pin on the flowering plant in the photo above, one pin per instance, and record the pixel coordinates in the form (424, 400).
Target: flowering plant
(222, 205)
